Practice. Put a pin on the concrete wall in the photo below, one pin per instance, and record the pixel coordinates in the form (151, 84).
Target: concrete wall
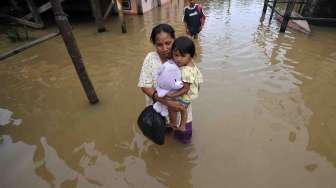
(147, 5)
(138, 6)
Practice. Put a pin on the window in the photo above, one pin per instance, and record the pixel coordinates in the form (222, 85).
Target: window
(126, 4)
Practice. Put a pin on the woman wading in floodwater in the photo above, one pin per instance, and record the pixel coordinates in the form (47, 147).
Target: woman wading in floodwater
(162, 37)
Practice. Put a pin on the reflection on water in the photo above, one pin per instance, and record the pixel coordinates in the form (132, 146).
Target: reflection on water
(264, 118)
(6, 118)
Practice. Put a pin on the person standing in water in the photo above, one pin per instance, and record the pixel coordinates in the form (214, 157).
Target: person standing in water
(162, 37)
(183, 51)
(193, 18)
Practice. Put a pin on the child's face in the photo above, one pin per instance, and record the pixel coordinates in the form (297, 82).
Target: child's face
(181, 59)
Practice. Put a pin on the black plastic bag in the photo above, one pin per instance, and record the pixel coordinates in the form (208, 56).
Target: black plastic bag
(152, 125)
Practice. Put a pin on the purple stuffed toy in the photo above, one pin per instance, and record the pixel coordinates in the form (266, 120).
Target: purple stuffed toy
(168, 80)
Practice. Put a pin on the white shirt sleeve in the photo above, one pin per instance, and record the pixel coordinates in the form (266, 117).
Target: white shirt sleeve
(146, 73)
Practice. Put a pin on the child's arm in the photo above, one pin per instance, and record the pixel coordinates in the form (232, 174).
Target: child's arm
(180, 92)
(202, 15)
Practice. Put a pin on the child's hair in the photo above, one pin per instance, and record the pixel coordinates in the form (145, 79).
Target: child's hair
(184, 45)
(166, 28)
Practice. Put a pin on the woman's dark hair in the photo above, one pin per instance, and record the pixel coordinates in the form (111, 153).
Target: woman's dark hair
(162, 28)
(184, 45)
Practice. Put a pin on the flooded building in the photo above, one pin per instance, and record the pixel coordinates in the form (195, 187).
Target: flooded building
(141, 6)
(320, 8)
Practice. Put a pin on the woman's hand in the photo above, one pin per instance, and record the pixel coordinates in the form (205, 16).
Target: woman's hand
(171, 103)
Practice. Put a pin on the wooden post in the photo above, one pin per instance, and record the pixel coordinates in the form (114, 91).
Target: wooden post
(35, 12)
(121, 16)
(96, 9)
(272, 12)
(287, 15)
(108, 10)
(139, 7)
(42, 9)
(71, 45)
(22, 21)
(264, 10)
(300, 8)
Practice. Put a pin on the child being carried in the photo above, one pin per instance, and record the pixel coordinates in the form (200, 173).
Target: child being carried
(182, 86)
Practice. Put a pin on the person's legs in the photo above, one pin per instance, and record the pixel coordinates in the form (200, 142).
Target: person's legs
(172, 118)
(184, 136)
(184, 133)
(184, 118)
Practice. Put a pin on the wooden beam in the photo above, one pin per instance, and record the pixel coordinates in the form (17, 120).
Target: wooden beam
(297, 2)
(96, 9)
(36, 15)
(331, 20)
(108, 10)
(272, 12)
(287, 15)
(121, 16)
(264, 10)
(71, 45)
(42, 9)
(27, 45)
(22, 21)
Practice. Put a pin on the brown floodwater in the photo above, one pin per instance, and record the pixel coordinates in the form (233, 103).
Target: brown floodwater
(266, 115)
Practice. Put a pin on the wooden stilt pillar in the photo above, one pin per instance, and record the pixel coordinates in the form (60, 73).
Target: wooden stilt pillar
(121, 16)
(108, 10)
(273, 7)
(96, 9)
(71, 45)
(287, 15)
(139, 7)
(264, 10)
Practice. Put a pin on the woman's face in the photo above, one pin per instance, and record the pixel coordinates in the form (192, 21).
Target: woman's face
(163, 44)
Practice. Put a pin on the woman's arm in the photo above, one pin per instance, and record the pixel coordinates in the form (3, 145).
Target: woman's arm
(148, 91)
(184, 90)
(151, 92)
